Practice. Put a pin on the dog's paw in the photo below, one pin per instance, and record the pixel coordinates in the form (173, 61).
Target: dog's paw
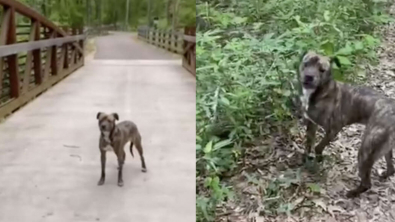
(357, 191)
(144, 170)
(101, 182)
(307, 158)
(120, 183)
(352, 193)
(384, 176)
(319, 158)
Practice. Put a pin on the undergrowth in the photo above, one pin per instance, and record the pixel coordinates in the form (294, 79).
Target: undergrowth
(247, 54)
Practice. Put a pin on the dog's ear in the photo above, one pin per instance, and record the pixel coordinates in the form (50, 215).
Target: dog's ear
(99, 114)
(335, 60)
(302, 55)
(115, 115)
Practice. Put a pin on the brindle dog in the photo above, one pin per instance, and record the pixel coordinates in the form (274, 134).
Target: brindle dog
(333, 105)
(114, 137)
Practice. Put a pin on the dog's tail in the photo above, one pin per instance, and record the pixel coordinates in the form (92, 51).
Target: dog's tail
(131, 149)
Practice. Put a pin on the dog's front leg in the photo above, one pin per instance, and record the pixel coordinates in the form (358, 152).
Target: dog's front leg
(103, 167)
(329, 136)
(310, 135)
(121, 160)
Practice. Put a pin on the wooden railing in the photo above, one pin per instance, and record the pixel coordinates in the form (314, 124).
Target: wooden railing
(181, 43)
(35, 54)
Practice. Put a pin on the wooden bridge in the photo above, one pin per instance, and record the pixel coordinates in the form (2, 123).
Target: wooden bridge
(49, 157)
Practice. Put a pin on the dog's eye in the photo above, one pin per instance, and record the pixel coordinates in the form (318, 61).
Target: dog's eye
(321, 70)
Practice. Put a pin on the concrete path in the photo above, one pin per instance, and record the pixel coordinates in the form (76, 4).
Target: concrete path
(49, 157)
(121, 45)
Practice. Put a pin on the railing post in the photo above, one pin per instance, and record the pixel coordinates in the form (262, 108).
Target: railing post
(66, 52)
(5, 21)
(157, 37)
(48, 60)
(81, 31)
(29, 58)
(12, 60)
(37, 57)
(150, 36)
(54, 57)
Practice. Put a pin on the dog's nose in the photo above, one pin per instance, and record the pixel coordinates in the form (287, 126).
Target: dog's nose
(103, 127)
(308, 78)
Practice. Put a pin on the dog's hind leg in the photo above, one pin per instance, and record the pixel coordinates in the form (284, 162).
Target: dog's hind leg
(103, 167)
(373, 143)
(139, 148)
(390, 167)
(131, 148)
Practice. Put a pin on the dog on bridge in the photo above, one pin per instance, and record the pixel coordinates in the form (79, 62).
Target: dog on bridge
(113, 137)
(333, 105)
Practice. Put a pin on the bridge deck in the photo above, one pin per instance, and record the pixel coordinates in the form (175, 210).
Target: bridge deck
(49, 157)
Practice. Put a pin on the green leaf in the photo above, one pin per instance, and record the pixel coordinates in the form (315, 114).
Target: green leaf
(239, 20)
(344, 60)
(328, 48)
(222, 143)
(370, 40)
(345, 51)
(358, 45)
(208, 147)
(198, 147)
(207, 181)
(315, 188)
(326, 15)
(225, 101)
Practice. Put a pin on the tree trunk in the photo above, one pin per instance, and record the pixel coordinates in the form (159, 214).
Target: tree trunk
(175, 14)
(149, 12)
(88, 12)
(127, 15)
(168, 7)
(98, 11)
(44, 7)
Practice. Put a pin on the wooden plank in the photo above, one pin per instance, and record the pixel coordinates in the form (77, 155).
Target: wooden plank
(9, 107)
(29, 59)
(7, 50)
(3, 39)
(27, 11)
(12, 60)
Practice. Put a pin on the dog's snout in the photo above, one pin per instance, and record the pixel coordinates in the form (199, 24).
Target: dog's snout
(103, 127)
(308, 78)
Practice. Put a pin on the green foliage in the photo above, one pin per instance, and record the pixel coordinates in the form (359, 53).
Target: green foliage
(247, 56)
(93, 13)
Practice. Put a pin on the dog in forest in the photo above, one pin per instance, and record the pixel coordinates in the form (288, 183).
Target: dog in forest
(333, 105)
(113, 137)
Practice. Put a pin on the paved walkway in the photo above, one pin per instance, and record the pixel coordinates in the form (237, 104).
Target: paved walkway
(49, 157)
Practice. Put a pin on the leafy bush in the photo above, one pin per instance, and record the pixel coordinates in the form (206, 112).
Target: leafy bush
(246, 69)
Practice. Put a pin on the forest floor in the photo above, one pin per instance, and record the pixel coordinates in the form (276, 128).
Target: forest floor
(273, 185)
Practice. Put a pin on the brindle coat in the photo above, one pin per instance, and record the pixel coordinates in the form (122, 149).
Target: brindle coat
(113, 137)
(333, 105)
